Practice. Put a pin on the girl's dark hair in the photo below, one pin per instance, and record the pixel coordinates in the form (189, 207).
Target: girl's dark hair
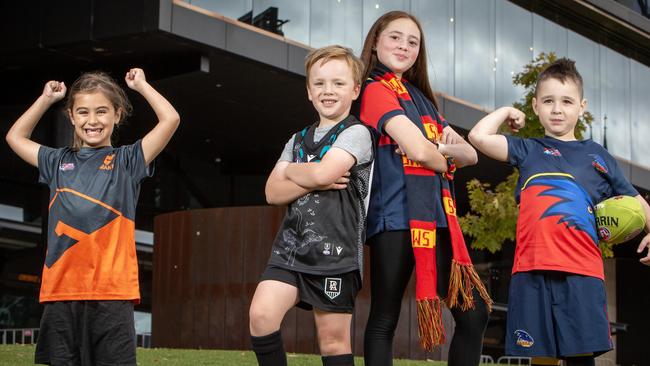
(562, 69)
(417, 74)
(91, 82)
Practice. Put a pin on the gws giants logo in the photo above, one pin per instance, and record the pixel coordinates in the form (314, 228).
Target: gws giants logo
(108, 162)
(332, 287)
(524, 339)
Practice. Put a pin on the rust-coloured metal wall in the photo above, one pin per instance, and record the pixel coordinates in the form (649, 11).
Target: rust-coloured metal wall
(206, 267)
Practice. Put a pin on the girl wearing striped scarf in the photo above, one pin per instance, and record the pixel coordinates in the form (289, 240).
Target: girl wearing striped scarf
(411, 219)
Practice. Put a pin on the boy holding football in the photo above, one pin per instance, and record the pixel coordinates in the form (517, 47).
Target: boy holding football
(557, 307)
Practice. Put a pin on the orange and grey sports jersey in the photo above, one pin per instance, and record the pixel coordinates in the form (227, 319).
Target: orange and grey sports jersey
(91, 230)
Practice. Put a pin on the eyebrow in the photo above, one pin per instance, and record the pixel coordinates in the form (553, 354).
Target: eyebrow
(101, 106)
(401, 33)
(551, 96)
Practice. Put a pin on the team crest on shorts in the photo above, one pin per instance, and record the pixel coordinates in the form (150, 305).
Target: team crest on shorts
(524, 339)
(332, 287)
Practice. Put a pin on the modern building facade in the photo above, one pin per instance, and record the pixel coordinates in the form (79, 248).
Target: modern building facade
(240, 92)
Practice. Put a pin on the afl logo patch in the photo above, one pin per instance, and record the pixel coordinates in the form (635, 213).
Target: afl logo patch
(524, 339)
(66, 166)
(604, 233)
(332, 287)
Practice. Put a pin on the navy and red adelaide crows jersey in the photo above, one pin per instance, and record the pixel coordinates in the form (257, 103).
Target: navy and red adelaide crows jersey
(91, 251)
(559, 184)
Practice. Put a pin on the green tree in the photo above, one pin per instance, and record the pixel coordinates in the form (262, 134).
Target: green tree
(492, 219)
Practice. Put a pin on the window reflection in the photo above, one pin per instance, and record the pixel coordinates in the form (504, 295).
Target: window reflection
(514, 38)
(475, 61)
(640, 87)
(615, 94)
(586, 55)
(336, 22)
(475, 47)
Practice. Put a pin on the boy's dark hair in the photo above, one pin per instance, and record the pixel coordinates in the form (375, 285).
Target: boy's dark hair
(563, 69)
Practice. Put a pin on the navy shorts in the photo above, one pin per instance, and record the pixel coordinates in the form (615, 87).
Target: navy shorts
(87, 333)
(331, 293)
(556, 314)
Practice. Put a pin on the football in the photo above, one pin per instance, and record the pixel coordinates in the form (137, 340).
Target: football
(619, 219)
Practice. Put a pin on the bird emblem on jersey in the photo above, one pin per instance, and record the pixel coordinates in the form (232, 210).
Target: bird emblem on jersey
(573, 205)
(524, 339)
(599, 163)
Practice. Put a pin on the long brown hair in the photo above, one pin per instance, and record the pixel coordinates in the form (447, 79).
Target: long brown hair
(417, 74)
(91, 82)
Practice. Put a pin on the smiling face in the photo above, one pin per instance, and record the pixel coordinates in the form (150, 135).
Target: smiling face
(398, 45)
(559, 105)
(331, 88)
(94, 118)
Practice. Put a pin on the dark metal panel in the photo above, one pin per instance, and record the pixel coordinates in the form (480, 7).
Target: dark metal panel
(640, 176)
(296, 61)
(198, 27)
(200, 280)
(256, 45)
(460, 115)
(19, 25)
(235, 325)
(217, 274)
(117, 17)
(66, 24)
(165, 15)
(183, 265)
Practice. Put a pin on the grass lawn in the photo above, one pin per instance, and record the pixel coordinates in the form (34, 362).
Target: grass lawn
(19, 355)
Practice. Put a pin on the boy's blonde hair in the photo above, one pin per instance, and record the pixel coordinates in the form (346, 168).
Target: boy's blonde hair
(335, 52)
(563, 69)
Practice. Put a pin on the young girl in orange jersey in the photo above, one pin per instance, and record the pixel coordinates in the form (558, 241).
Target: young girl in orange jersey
(90, 277)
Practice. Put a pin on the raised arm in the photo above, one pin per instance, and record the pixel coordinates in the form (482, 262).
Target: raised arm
(280, 190)
(645, 242)
(484, 135)
(168, 119)
(19, 135)
(454, 145)
(414, 144)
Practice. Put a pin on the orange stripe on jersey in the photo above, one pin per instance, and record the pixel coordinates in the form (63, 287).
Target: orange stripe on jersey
(96, 201)
(52, 201)
(102, 265)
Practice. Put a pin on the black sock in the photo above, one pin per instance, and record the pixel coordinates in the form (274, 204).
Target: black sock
(338, 360)
(580, 361)
(269, 350)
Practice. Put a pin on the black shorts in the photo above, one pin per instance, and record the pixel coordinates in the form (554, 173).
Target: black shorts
(87, 333)
(331, 293)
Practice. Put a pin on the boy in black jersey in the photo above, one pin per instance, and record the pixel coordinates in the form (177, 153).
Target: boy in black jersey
(323, 176)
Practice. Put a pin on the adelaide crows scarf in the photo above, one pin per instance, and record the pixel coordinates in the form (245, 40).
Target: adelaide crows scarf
(424, 188)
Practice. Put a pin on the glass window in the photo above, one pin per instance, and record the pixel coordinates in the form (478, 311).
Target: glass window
(231, 9)
(615, 101)
(586, 55)
(336, 22)
(548, 37)
(437, 19)
(514, 49)
(475, 65)
(295, 12)
(640, 89)
(373, 9)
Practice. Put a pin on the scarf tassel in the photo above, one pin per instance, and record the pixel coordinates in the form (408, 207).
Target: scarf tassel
(431, 331)
(463, 279)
